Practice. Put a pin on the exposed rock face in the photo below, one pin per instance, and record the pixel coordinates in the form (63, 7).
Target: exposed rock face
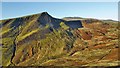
(74, 24)
(42, 40)
(45, 18)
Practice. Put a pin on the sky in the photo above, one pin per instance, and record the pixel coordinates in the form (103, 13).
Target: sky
(60, 0)
(99, 10)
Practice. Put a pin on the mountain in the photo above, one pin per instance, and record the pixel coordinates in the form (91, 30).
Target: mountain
(42, 40)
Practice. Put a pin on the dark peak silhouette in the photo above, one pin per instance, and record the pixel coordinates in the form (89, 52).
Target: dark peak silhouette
(45, 18)
(45, 13)
(42, 19)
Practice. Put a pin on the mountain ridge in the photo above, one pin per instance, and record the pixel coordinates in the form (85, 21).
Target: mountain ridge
(51, 16)
(44, 18)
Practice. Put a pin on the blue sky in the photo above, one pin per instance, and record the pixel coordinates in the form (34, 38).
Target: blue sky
(100, 10)
(59, 0)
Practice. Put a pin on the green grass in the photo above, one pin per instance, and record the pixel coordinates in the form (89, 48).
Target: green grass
(65, 27)
(5, 31)
(26, 35)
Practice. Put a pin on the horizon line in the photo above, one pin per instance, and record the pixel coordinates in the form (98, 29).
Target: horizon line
(56, 17)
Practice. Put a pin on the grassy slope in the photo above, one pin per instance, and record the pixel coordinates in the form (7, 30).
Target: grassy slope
(58, 47)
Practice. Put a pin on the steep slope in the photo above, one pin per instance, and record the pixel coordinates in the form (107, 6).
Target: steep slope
(42, 40)
(19, 32)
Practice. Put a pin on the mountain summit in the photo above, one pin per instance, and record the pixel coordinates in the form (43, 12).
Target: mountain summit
(42, 19)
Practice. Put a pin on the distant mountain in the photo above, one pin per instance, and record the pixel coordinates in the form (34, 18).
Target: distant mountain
(109, 20)
(42, 40)
(73, 18)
